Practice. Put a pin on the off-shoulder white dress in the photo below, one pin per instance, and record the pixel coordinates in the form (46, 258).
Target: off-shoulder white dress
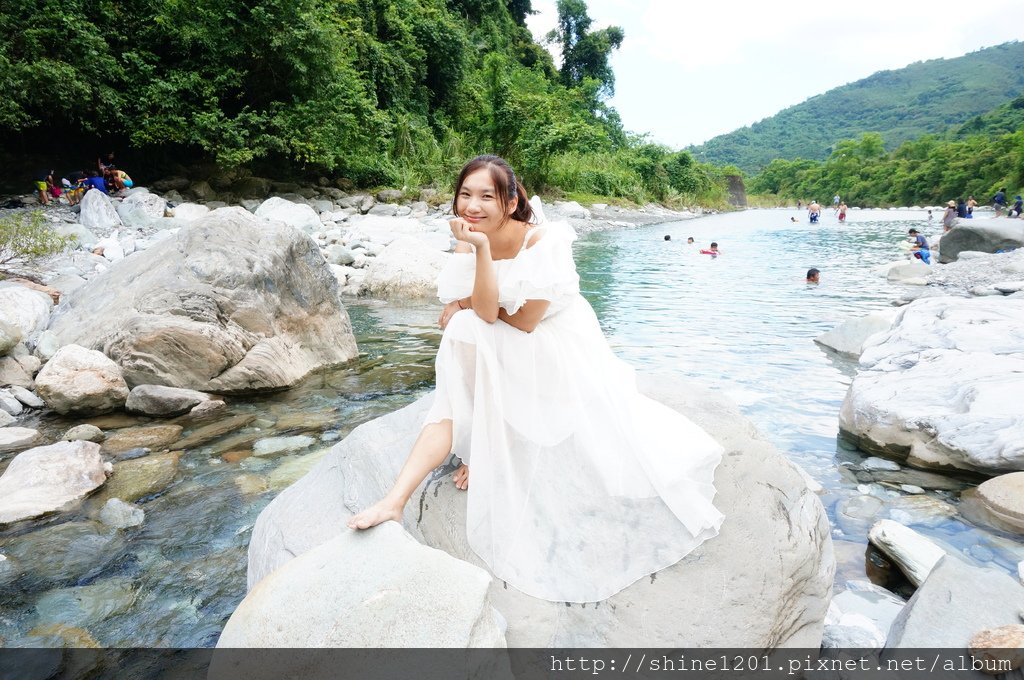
(579, 485)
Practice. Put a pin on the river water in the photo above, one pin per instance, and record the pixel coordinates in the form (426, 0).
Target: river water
(741, 323)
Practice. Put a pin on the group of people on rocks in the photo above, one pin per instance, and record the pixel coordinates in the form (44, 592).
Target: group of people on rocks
(999, 203)
(106, 178)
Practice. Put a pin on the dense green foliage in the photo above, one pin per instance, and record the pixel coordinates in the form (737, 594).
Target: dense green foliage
(380, 92)
(923, 98)
(929, 170)
(26, 238)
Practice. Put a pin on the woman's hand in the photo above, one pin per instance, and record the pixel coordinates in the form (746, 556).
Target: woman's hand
(462, 231)
(447, 313)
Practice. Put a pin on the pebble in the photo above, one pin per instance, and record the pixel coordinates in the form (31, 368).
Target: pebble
(85, 432)
(876, 463)
(911, 489)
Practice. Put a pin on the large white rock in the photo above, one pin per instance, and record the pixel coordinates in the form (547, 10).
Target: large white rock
(408, 267)
(765, 581)
(190, 212)
(905, 271)
(230, 304)
(10, 335)
(371, 589)
(983, 235)
(914, 554)
(97, 212)
(298, 215)
(942, 387)
(47, 478)
(26, 309)
(80, 380)
(849, 337)
(955, 602)
(141, 208)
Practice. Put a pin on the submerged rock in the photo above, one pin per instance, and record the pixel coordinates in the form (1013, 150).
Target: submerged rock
(850, 336)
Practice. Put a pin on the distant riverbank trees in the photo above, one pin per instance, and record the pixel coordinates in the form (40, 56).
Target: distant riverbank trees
(379, 92)
(926, 171)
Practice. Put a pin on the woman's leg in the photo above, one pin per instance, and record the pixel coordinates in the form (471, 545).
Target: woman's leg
(431, 448)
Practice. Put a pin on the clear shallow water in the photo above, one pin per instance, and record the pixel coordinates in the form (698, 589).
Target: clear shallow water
(742, 323)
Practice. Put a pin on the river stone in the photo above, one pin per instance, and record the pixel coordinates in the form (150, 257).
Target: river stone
(97, 213)
(25, 397)
(228, 305)
(338, 255)
(923, 511)
(875, 463)
(955, 602)
(272, 445)
(6, 418)
(46, 346)
(84, 432)
(153, 437)
(292, 468)
(856, 513)
(12, 373)
(373, 589)
(10, 335)
(1001, 647)
(982, 235)
(160, 400)
(10, 405)
(17, 438)
(1003, 497)
(29, 362)
(849, 337)
(205, 410)
(190, 212)
(408, 267)
(120, 515)
(877, 604)
(941, 389)
(913, 269)
(26, 309)
(914, 554)
(212, 431)
(141, 208)
(764, 581)
(80, 380)
(297, 215)
(47, 478)
(135, 479)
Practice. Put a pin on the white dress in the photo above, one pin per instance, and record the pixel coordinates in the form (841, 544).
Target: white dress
(578, 485)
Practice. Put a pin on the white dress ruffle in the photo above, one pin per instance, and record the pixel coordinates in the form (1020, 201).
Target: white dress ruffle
(579, 485)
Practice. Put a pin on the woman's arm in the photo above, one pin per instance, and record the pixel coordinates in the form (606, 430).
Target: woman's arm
(528, 316)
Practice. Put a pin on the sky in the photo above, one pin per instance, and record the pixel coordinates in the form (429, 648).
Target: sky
(688, 71)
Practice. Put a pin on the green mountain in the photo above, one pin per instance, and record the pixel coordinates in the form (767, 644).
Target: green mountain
(925, 97)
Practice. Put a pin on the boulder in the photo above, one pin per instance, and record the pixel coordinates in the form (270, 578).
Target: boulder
(47, 478)
(13, 373)
(97, 212)
(228, 305)
(84, 432)
(982, 235)
(850, 336)
(373, 589)
(298, 215)
(9, 404)
(80, 380)
(140, 209)
(153, 437)
(110, 248)
(25, 309)
(201, 190)
(390, 196)
(408, 267)
(955, 602)
(135, 479)
(251, 187)
(906, 271)
(941, 388)
(17, 438)
(25, 397)
(6, 418)
(171, 184)
(162, 401)
(763, 582)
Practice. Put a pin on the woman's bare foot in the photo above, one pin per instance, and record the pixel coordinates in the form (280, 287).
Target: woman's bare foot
(381, 511)
(461, 477)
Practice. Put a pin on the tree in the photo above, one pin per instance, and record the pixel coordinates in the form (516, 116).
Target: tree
(585, 54)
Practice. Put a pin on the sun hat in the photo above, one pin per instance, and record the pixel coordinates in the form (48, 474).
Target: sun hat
(952, 204)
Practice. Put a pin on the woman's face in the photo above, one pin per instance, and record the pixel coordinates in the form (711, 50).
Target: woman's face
(480, 205)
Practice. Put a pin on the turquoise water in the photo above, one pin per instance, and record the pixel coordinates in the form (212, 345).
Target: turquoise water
(742, 323)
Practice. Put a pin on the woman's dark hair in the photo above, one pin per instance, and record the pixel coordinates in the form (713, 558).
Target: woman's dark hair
(505, 184)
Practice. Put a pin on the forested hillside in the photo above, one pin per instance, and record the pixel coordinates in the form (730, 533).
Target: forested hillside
(374, 92)
(923, 98)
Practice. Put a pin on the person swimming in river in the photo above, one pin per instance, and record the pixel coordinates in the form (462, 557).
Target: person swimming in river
(842, 211)
(712, 250)
(580, 485)
(813, 275)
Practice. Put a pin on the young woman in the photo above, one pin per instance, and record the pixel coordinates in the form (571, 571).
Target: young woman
(579, 486)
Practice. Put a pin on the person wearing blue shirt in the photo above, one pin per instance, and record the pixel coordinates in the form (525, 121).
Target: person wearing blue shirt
(999, 201)
(921, 249)
(94, 181)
